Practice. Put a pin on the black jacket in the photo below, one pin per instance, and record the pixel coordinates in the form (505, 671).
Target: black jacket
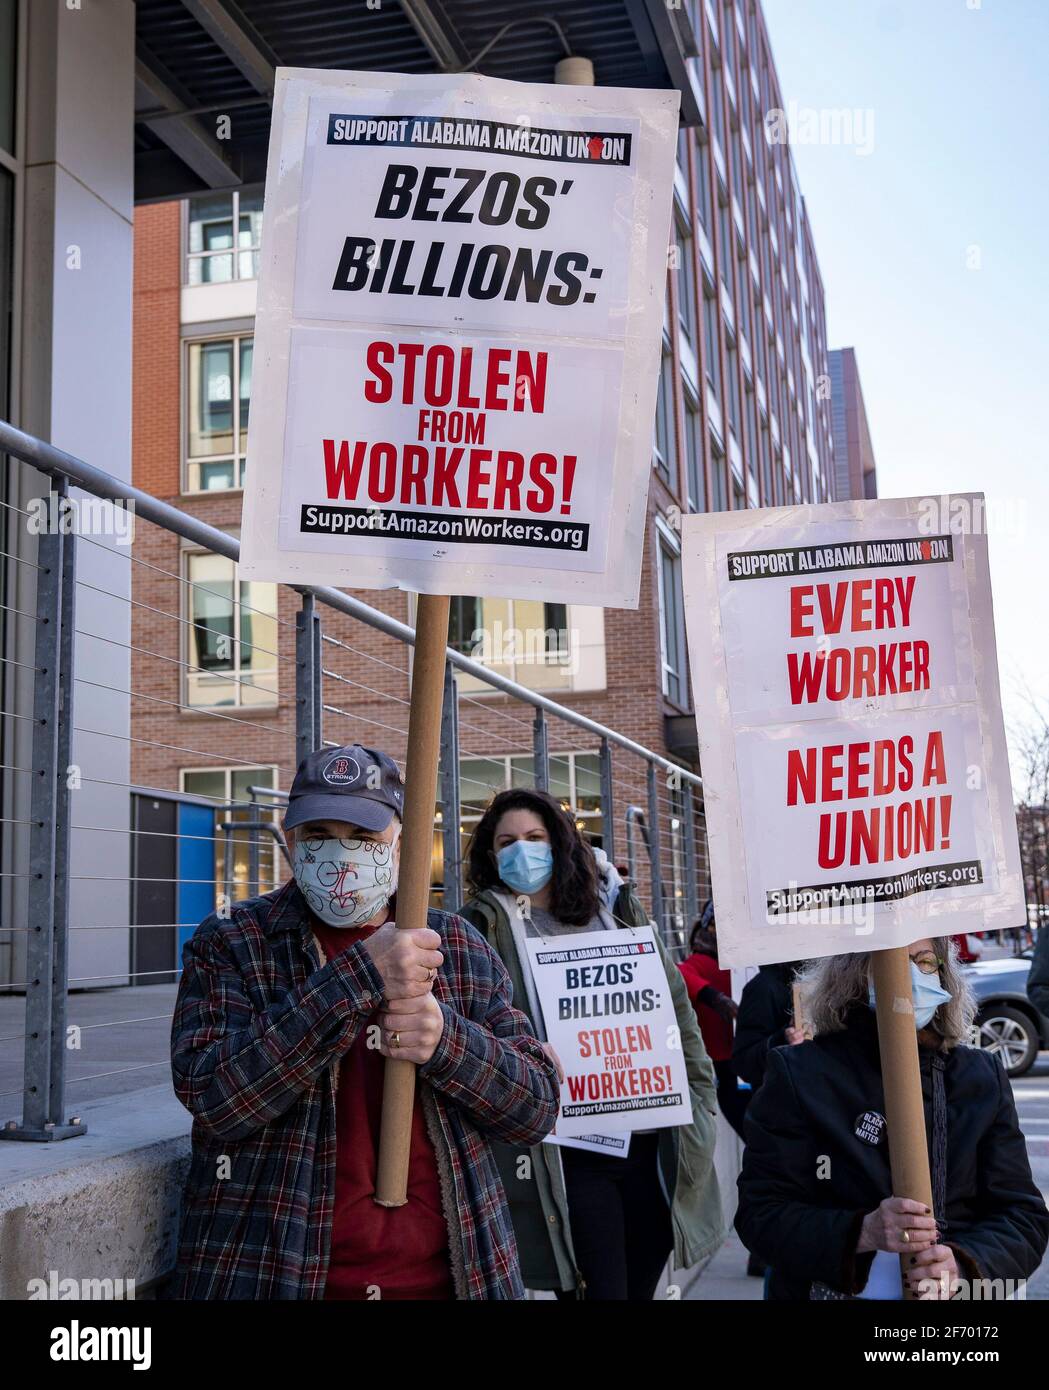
(766, 1008)
(808, 1180)
(1038, 979)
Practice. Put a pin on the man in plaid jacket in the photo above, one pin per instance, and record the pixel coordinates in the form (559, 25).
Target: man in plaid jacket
(285, 1010)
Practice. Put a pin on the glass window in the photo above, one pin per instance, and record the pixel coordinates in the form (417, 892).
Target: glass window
(231, 635)
(752, 217)
(715, 103)
(249, 234)
(587, 795)
(743, 102)
(218, 402)
(8, 72)
(743, 301)
(464, 620)
(703, 163)
(575, 780)
(555, 631)
(697, 491)
(213, 258)
(211, 239)
(479, 780)
(710, 329)
(541, 632)
(228, 787)
(686, 283)
(737, 165)
(766, 467)
(664, 452)
(750, 459)
(760, 145)
(7, 286)
(247, 348)
(718, 481)
(211, 422)
(672, 629)
(728, 40)
(732, 394)
(725, 247)
(529, 640)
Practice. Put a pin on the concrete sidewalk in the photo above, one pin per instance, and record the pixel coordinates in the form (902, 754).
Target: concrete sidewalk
(725, 1278)
(123, 1044)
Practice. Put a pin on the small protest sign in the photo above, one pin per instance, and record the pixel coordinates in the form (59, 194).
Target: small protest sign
(608, 1013)
(615, 1145)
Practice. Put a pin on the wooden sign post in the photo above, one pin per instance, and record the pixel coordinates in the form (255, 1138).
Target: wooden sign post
(798, 1007)
(413, 883)
(901, 1080)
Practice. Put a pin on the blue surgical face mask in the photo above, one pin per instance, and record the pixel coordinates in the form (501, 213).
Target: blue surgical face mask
(526, 865)
(927, 995)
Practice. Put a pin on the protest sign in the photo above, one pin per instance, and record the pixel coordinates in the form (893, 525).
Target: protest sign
(460, 306)
(615, 1145)
(855, 772)
(608, 1013)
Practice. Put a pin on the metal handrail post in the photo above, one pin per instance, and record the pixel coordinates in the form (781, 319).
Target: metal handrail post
(608, 822)
(451, 811)
(540, 752)
(307, 734)
(654, 855)
(691, 886)
(46, 947)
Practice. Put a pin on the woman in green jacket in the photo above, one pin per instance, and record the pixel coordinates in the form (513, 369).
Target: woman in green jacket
(588, 1224)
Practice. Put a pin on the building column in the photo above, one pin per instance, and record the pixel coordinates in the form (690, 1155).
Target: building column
(74, 390)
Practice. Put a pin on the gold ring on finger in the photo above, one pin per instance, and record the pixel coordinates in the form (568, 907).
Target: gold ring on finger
(905, 1235)
(395, 1039)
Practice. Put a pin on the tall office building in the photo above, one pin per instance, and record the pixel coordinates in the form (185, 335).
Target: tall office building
(855, 475)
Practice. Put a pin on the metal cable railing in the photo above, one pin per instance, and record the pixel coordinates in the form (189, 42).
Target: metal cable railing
(152, 678)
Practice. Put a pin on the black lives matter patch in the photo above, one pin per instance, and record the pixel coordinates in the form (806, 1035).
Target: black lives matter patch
(870, 1127)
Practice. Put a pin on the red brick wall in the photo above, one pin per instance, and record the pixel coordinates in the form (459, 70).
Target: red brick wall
(155, 347)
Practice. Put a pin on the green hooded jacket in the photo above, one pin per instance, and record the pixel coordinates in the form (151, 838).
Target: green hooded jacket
(533, 1177)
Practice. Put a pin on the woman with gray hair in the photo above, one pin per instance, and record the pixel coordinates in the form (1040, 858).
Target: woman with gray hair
(815, 1191)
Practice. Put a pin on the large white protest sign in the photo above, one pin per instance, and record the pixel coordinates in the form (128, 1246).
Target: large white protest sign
(608, 1013)
(856, 780)
(460, 306)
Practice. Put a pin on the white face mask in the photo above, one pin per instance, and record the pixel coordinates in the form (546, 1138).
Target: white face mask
(345, 882)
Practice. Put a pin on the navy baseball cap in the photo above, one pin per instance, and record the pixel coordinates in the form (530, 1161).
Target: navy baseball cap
(354, 784)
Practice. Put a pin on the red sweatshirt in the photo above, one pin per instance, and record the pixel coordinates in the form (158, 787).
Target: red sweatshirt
(699, 970)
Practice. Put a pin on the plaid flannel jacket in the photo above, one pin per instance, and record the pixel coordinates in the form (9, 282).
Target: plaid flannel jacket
(260, 1026)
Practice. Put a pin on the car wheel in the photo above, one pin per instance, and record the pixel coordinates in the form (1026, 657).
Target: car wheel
(1011, 1034)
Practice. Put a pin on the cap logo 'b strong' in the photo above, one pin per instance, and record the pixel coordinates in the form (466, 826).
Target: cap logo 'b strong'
(341, 771)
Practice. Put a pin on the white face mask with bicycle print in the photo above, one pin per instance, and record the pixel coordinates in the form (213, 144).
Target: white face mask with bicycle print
(345, 882)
